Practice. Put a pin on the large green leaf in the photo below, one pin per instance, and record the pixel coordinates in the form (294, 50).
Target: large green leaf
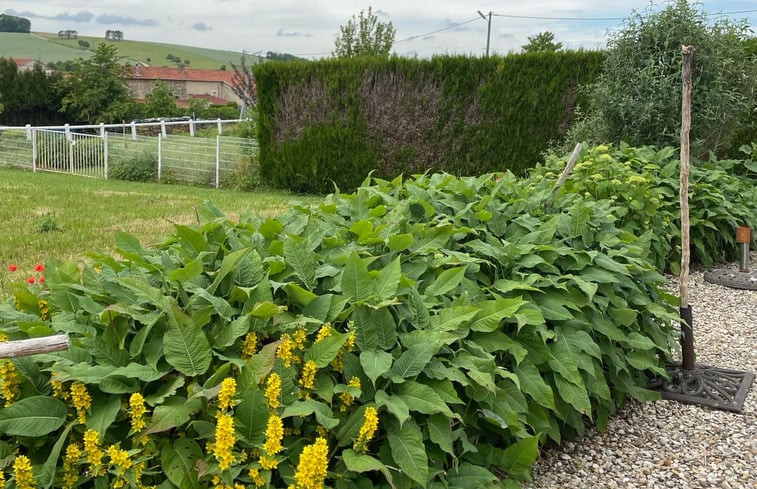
(365, 463)
(179, 462)
(356, 280)
(394, 405)
(532, 383)
(250, 420)
(185, 345)
(301, 259)
(452, 318)
(409, 453)
(227, 266)
(518, 458)
(422, 398)
(492, 313)
(412, 362)
(446, 282)
(46, 476)
(468, 476)
(104, 412)
(323, 352)
(375, 364)
(574, 394)
(32, 416)
(176, 411)
(440, 432)
(322, 412)
(388, 280)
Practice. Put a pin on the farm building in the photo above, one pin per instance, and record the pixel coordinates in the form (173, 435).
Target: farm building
(184, 83)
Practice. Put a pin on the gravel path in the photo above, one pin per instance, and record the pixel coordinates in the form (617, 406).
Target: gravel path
(666, 444)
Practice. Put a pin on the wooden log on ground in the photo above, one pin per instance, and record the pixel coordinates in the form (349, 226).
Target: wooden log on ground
(33, 346)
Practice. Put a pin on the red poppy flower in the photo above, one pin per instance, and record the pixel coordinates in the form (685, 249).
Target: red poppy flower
(12, 268)
(41, 280)
(39, 268)
(31, 280)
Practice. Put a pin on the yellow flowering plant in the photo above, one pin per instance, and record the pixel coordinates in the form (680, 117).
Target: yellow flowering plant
(387, 338)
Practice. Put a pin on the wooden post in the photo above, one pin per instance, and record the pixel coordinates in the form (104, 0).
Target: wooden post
(687, 328)
(568, 168)
(32, 346)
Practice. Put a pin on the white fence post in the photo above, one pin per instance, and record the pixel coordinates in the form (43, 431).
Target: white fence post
(133, 131)
(160, 157)
(105, 153)
(28, 132)
(220, 127)
(192, 127)
(34, 149)
(218, 159)
(163, 128)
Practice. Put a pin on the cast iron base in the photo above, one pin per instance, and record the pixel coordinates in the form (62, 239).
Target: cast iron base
(732, 278)
(708, 386)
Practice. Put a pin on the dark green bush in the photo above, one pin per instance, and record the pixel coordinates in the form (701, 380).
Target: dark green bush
(141, 168)
(332, 122)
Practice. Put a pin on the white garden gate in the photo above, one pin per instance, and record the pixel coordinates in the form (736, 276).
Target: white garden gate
(69, 152)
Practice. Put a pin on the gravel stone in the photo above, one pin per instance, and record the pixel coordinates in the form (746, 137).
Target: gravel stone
(665, 443)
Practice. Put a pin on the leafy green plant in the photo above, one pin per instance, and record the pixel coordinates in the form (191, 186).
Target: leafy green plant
(637, 98)
(142, 168)
(643, 184)
(410, 334)
(48, 223)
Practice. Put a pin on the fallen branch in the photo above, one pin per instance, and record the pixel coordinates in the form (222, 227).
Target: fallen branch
(33, 346)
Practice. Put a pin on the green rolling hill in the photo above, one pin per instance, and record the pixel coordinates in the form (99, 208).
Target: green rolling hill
(48, 47)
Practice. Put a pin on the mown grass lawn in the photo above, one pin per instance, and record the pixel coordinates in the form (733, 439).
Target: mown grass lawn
(48, 216)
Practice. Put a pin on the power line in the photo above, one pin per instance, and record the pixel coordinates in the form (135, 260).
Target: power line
(535, 17)
(448, 28)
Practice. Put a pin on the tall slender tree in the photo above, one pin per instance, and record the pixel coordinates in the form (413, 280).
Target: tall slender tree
(365, 35)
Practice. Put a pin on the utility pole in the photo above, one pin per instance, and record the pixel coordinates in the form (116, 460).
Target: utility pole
(488, 30)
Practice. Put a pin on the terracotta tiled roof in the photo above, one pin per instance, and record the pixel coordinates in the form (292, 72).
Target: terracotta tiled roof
(23, 61)
(187, 74)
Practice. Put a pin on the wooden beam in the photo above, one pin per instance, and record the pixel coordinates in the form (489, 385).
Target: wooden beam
(33, 346)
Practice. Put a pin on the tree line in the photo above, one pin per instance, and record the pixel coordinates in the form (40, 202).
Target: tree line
(11, 23)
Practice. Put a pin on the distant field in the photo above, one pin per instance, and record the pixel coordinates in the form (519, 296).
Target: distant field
(47, 47)
(154, 52)
(16, 45)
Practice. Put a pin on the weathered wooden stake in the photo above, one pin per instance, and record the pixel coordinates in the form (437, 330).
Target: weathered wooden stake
(568, 168)
(687, 328)
(32, 346)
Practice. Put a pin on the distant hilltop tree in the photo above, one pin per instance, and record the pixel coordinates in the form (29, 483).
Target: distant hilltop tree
(114, 35)
(68, 34)
(11, 23)
(274, 56)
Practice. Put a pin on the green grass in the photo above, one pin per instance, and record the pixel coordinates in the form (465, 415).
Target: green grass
(156, 52)
(17, 45)
(49, 216)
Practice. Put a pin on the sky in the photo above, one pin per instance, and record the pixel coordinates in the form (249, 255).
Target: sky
(308, 28)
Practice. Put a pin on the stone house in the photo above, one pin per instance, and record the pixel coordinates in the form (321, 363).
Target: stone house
(184, 83)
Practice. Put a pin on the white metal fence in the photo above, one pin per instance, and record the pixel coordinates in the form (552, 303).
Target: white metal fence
(105, 150)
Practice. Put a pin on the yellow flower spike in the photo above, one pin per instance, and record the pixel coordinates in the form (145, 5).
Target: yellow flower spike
(274, 434)
(308, 374)
(324, 332)
(250, 345)
(2, 480)
(3, 337)
(273, 391)
(10, 381)
(92, 448)
(81, 400)
(70, 469)
(349, 345)
(119, 458)
(268, 463)
(313, 465)
(22, 472)
(137, 412)
(285, 351)
(225, 441)
(299, 338)
(44, 310)
(256, 477)
(59, 390)
(367, 430)
(227, 393)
